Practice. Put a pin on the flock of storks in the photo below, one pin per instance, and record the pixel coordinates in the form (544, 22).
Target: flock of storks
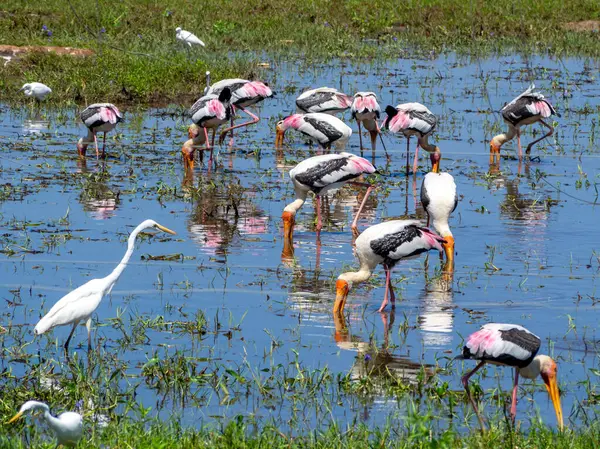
(385, 243)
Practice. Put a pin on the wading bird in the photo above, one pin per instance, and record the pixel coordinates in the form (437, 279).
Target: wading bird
(365, 109)
(385, 243)
(324, 129)
(209, 111)
(244, 93)
(323, 99)
(187, 38)
(439, 198)
(99, 117)
(68, 426)
(78, 306)
(511, 345)
(320, 174)
(414, 119)
(38, 91)
(528, 108)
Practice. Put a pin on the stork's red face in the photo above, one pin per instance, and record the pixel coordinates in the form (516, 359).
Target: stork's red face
(81, 148)
(435, 160)
(279, 133)
(288, 225)
(341, 294)
(193, 131)
(548, 374)
(188, 157)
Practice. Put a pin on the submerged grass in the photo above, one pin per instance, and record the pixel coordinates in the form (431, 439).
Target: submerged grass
(137, 58)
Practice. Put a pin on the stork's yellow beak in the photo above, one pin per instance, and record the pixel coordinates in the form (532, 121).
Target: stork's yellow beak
(167, 230)
(552, 387)
(279, 133)
(288, 225)
(449, 250)
(341, 293)
(14, 418)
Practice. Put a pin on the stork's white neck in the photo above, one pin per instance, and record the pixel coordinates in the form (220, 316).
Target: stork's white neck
(361, 275)
(297, 203)
(442, 227)
(501, 139)
(534, 369)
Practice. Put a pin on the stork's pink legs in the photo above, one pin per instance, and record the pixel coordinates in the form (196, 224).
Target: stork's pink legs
(513, 407)
(103, 145)
(465, 382)
(388, 288)
(519, 143)
(354, 225)
(255, 119)
(319, 222)
(548, 134)
(97, 150)
(416, 160)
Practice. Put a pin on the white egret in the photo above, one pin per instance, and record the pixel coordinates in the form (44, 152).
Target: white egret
(37, 90)
(68, 426)
(79, 305)
(188, 38)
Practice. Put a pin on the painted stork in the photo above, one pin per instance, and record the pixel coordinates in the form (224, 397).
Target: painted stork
(244, 93)
(197, 140)
(324, 129)
(385, 243)
(188, 38)
(365, 109)
(414, 119)
(439, 198)
(320, 174)
(99, 117)
(38, 91)
(511, 345)
(528, 108)
(323, 99)
(210, 111)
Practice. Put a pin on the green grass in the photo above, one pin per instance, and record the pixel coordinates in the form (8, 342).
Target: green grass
(138, 59)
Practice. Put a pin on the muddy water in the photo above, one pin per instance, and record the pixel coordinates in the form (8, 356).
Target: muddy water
(527, 249)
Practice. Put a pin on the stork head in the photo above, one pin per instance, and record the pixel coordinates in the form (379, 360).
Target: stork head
(279, 133)
(495, 146)
(342, 287)
(288, 225)
(435, 157)
(548, 370)
(81, 147)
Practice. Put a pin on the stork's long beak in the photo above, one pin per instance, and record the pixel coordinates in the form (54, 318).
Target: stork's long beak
(552, 387)
(341, 293)
(167, 230)
(279, 133)
(448, 246)
(288, 225)
(14, 418)
(435, 160)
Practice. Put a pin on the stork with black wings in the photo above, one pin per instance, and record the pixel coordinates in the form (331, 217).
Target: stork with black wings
(511, 345)
(528, 108)
(323, 129)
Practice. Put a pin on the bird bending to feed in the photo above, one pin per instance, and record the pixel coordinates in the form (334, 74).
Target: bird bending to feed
(511, 345)
(528, 108)
(323, 129)
(385, 243)
(209, 111)
(244, 93)
(365, 109)
(79, 305)
(414, 119)
(98, 117)
(320, 174)
(197, 140)
(188, 38)
(68, 426)
(439, 198)
(38, 91)
(323, 99)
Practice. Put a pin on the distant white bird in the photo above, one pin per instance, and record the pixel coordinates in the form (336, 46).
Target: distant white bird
(79, 305)
(187, 37)
(37, 90)
(68, 427)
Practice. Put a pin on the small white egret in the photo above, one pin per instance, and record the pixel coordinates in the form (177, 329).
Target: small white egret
(187, 37)
(79, 305)
(68, 427)
(37, 90)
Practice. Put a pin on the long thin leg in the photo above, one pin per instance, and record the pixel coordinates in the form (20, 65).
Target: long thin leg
(255, 119)
(382, 142)
(360, 137)
(416, 160)
(319, 222)
(88, 325)
(69, 337)
(362, 204)
(392, 293)
(407, 155)
(548, 134)
(103, 145)
(513, 407)
(465, 382)
(388, 284)
(373, 135)
(519, 143)
(97, 150)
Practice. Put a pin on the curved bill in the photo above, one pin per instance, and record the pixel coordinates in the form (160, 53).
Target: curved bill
(167, 230)
(14, 418)
(552, 387)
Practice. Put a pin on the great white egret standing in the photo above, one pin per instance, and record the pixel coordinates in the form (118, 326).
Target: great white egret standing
(79, 305)
(38, 91)
(68, 426)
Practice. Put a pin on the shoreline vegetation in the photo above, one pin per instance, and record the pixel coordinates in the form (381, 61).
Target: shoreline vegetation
(137, 59)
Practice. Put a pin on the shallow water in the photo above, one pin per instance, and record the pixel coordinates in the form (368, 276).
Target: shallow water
(527, 249)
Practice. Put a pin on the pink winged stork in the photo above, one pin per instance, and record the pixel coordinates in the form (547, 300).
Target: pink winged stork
(528, 108)
(209, 111)
(324, 129)
(323, 99)
(511, 345)
(439, 199)
(320, 174)
(244, 93)
(365, 109)
(385, 243)
(414, 119)
(98, 117)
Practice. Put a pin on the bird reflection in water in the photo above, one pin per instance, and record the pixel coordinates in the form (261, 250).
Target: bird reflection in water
(96, 196)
